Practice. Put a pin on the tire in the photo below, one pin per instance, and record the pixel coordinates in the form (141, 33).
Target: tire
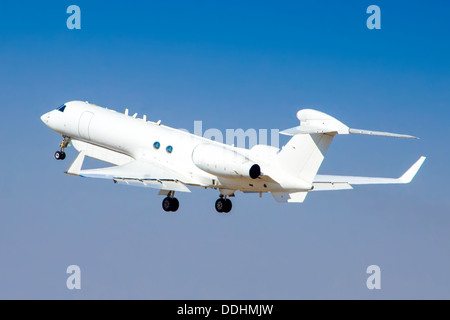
(58, 155)
(167, 204)
(228, 206)
(220, 205)
(63, 155)
(175, 204)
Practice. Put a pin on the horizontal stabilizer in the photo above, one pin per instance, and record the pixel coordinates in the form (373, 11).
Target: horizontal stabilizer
(313, 121)
(315, 130)
(306, 130)
(379, 133)
(316, 122)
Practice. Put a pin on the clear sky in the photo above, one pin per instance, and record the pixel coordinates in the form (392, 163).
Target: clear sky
(232, 64)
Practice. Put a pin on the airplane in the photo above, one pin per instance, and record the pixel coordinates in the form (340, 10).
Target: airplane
(149, 154)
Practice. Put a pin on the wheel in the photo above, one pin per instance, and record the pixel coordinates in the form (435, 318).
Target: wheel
(167, 204)
(63, 155)
(228, 206)
(220, 205)
(58, 155)
(175, 204)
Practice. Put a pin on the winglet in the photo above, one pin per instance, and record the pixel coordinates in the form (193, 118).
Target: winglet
(411, 172)
(75, 168)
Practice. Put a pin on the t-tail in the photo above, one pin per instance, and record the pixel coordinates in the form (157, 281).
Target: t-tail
(302, 156)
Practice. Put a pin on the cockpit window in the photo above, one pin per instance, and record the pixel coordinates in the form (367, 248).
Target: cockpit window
(62, 108)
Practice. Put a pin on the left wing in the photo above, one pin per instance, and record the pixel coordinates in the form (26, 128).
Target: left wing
(326, 182)
(142, 173)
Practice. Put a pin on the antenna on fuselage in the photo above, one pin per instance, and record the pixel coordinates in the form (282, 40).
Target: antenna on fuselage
(126, 111)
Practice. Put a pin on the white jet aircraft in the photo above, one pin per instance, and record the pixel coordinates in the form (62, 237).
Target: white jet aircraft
(148, 154)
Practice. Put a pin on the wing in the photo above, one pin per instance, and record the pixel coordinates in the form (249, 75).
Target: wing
(100, 153)
(326, 182)
(142, 173)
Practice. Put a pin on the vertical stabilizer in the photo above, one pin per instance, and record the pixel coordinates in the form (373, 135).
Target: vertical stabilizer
(302, 156)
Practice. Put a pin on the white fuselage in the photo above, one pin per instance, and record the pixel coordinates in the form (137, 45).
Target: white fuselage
(178, 150)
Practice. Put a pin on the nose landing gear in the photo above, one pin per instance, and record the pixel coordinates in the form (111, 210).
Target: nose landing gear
(61, 155)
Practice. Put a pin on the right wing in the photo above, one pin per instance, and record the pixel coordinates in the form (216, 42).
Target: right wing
(327, 182)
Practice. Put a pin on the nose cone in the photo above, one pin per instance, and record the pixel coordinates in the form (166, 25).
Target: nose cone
(45, 118)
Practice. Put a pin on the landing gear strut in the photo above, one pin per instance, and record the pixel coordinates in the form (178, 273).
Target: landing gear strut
(170, 203)
(223, 205)
(61, 155)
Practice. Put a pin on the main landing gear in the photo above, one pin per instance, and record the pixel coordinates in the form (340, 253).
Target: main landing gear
(223, 205)
(61, 155)
(170, 203)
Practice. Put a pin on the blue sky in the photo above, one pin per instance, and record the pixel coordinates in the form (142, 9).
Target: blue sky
(233, 64)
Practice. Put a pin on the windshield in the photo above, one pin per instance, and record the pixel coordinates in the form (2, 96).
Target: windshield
(62, 108)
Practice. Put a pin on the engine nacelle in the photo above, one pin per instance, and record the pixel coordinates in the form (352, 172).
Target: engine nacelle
(225, 162)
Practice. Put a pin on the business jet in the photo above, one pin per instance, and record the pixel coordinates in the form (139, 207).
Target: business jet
(149, 154)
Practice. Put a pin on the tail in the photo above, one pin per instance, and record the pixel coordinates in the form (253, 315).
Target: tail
(302, 156)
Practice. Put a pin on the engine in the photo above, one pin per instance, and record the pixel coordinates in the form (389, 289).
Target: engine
(223, 161)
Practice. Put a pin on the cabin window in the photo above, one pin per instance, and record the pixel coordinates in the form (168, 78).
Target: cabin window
(169, 149)
(62, 108)
(156, 145)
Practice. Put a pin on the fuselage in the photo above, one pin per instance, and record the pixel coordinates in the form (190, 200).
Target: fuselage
(199, 159)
